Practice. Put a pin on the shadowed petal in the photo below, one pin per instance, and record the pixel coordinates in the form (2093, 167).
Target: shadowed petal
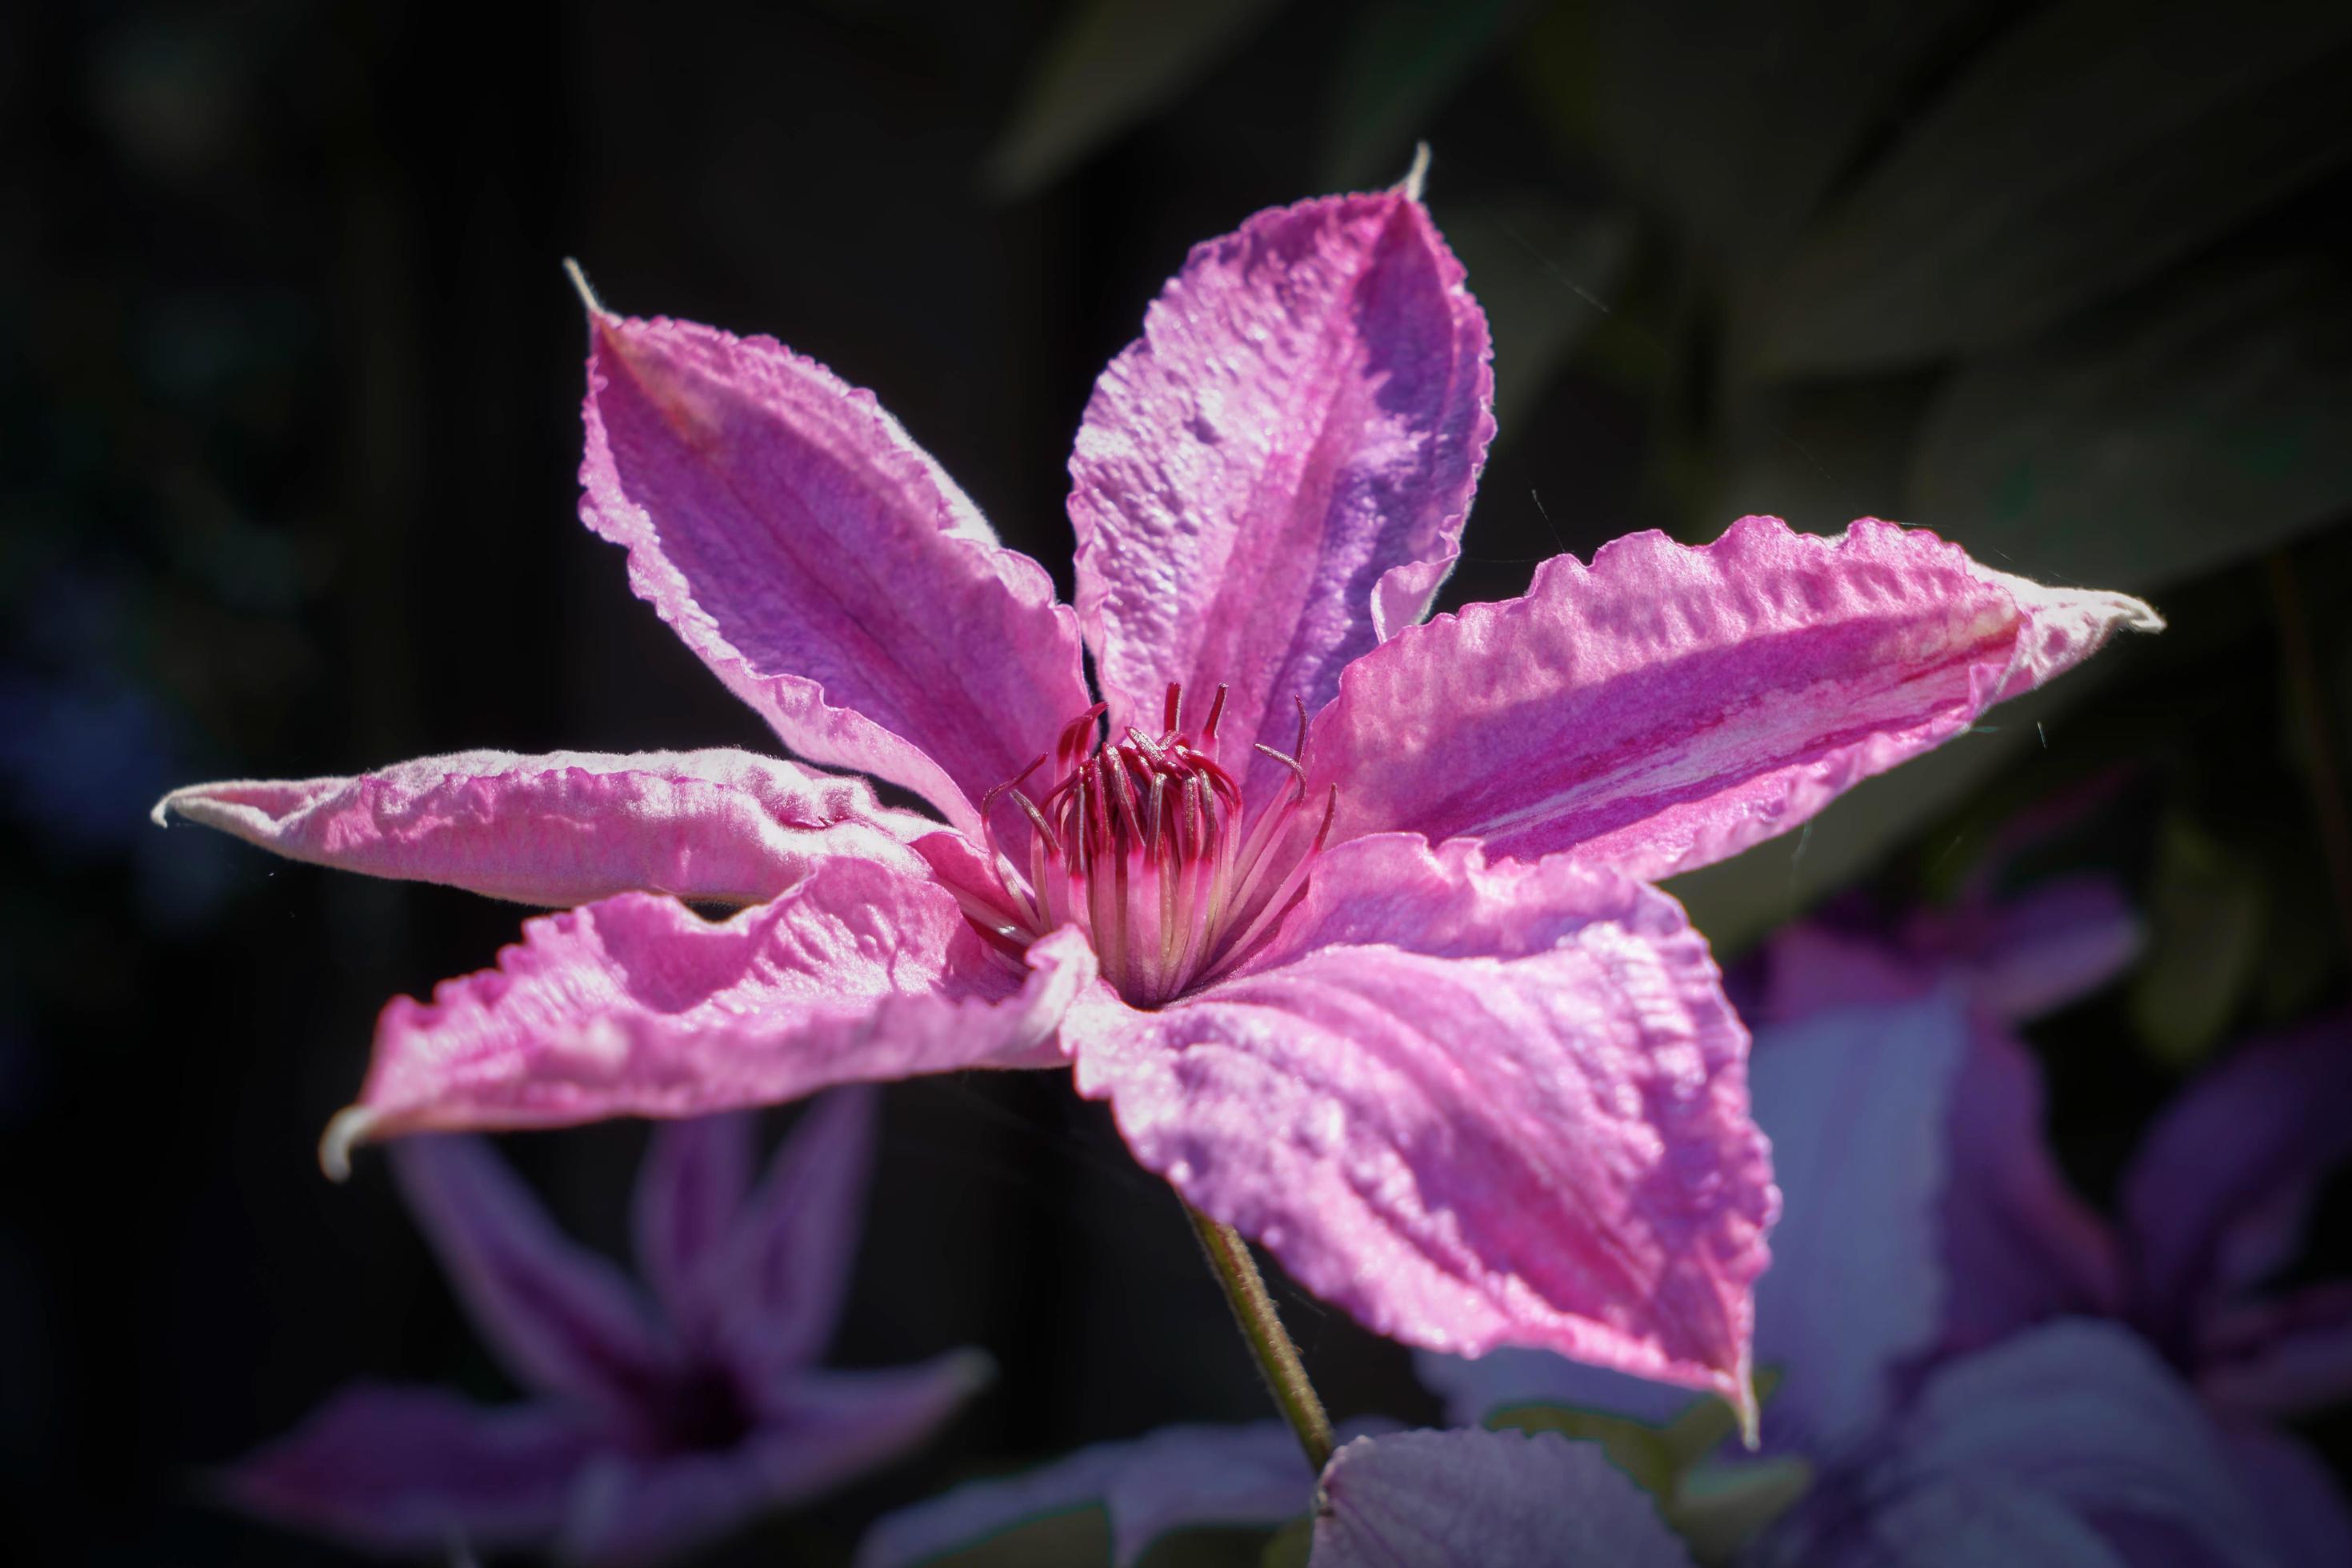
(2285, 1356)
(2301, 1504)
(777, 1288)
(1276, 474)
(2054, 943)
(1855, 1101)
(1475, 1105)
(820, 562)
(637, 1007)
(2019, 1245)
(1174, 1479)
(2216, 1195)
(1668, 706)
(561, 1319)
(2070, 1446)
(691, 1190)
(416, 1469)
(1474, 1389)
(567, 827)
(1485, 1499)
(632, 1509)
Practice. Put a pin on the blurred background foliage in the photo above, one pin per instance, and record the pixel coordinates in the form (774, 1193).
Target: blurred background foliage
(289, 380)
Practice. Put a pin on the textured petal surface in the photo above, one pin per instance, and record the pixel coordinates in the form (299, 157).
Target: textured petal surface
(1668, 706)
(1855, 1101)
(638, 1006)
(1173, 1478)
(567, 827)
(2071, 1446)
(692, 1187)
(778, 1289)
(1485, 1499)
(1475, 1105)
(820, 562)
(1276, 474)
(417, 1470)
(2216, 1193)
(634, 1509)
(561, 1319)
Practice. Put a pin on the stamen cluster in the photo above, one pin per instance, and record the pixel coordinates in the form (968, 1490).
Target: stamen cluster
(1142, 843)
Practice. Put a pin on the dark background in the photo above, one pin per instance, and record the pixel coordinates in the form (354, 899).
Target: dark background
(288, 399)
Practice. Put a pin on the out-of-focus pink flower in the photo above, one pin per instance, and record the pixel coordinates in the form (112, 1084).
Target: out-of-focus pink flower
(657, 1417)
(1346, 913)
(1430, 1499)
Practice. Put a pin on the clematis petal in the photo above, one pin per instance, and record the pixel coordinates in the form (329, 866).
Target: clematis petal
(2216, 1195)
(2071, 1446)
(417, 1470)
(2019, 1245)
(2280, 1356)
(778, 1288)
(1668, 706)
(1475, 1105)
(1174, 1479)
(1485, 1499)
(632, 1509)
(1855, 1101)
(692, 1187)
(2053, 945)
(561, 1319)
(1476, 1389)
(566, 828)
(637, 1007)
(2302, 1508)
(820, 562)
(1276, 474)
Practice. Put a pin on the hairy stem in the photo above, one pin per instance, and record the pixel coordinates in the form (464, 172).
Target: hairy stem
(1277, 1358)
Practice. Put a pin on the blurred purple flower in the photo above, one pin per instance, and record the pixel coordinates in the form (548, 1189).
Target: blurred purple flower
(1430, 1499)
(656, 1421)
(1933, 1304)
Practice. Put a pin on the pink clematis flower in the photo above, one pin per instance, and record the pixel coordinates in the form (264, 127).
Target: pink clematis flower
(1346, 913)
(653, 1423)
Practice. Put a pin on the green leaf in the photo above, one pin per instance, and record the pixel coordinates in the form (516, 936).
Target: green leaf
(1400, 62)
(2085, 149)
(1545, 275)
(1289, 1546)
(2206, 912)
(1109, 64)
(1719, 1508)
(1638, 1449)
(1730, 116)
(2210, 423)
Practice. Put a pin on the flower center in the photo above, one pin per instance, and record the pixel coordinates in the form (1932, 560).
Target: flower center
(1143, 842)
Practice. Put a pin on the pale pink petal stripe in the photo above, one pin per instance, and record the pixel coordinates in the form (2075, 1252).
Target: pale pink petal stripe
(820, 562)
(566, 828)
(1276, 474)
(1473, 1104)
(638, 1006)
(1668, 706)
(1485, 1499)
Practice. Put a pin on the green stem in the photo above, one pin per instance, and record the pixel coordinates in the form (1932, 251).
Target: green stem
(1277, 1358)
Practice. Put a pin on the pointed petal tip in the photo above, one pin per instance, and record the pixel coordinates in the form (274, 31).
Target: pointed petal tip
(351, 1127)
(586, 290)
(161, 815)
(1416, 178)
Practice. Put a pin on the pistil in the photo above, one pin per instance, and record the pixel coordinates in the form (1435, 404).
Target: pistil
(1144, 842)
